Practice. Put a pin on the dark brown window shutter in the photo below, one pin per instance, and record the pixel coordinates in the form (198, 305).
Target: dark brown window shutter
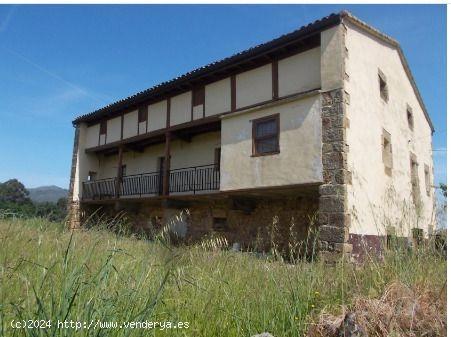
(142, 114)
(199, 96)
(103, 127)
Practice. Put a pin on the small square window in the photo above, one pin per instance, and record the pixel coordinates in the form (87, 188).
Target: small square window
(383, 87)
(387, 153)
(427, 180)
(417, 236)
(92, 175)
(265, 134)
(220, 224)
(410, 117)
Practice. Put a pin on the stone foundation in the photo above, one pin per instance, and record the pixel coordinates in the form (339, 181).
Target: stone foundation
(74, 215)
(260, 225)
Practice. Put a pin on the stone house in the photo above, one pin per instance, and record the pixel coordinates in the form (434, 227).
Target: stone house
(320, 128)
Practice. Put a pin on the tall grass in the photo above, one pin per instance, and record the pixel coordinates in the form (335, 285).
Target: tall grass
(97, 275)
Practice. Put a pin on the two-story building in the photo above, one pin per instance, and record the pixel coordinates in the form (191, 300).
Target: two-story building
(323, 127)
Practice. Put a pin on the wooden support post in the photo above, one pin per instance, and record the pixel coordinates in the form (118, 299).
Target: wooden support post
(119, 172)
(167, 164)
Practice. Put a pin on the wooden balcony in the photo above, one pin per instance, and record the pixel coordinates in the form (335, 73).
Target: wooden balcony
(188, 180)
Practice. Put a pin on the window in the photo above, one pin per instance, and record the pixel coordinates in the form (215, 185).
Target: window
(410, 117)
(220, 224)
(198, 96)
(387, 153)
(414, 181)
(265, 135)
(103, 127)
(92, 176)
(217, 159)
(383, 87)
(142, 114)
(427, 180)
(417, 236)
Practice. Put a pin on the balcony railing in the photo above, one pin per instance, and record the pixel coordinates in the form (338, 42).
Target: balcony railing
(184, 180)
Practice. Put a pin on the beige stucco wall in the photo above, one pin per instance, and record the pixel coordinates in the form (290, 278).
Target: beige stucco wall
(198, 111)
(92, 135)
(181, 108)
(254, 86)
(200, 151)
(376, 199)
(218, 97)
(300, 72)
(113, 133)
(157, 116)
(332, 58)
(299, 160)
(130, 124)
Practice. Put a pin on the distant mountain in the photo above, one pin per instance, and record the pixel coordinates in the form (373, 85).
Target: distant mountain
(47, 193)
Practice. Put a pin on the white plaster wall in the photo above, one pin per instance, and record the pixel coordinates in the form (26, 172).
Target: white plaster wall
(218, 97)
(332, 58)
(299, 160)
(200, 151)
(142, 127)
(102, 139)
(254, 86)
(113, 132)
(143, 162)
(92, 135)
(157, 116)
(376, 199)
(181, 108)
(130, 124)
(300, 72)
(198, 111)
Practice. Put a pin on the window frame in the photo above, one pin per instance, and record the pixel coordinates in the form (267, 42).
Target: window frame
(427, 180)
(410, 120)
(387, 152)
(383, 86)
(255, 139)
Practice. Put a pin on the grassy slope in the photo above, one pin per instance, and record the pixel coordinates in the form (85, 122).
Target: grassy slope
(95, 275)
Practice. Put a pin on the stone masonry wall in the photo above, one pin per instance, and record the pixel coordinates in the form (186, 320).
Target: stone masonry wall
(260, 225)
(333, 216)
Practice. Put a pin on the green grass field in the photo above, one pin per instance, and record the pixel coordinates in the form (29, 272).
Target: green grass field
(50, 274)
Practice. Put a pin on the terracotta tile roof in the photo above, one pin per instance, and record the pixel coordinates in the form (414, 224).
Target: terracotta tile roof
(247, 55)
(250, 53)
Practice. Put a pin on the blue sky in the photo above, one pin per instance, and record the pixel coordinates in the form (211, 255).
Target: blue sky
(58, 62)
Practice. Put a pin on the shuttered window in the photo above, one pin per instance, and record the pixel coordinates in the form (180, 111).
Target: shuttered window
(265, 134)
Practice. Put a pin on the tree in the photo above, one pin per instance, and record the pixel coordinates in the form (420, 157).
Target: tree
(443, 187)
(14, 191)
